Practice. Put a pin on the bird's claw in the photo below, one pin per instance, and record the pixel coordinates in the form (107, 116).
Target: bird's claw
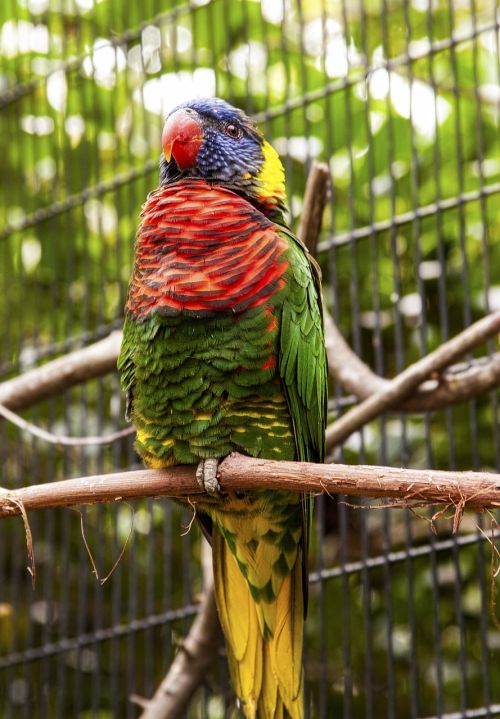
(206, 476)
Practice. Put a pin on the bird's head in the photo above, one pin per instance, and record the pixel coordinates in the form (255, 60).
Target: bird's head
(212, 140)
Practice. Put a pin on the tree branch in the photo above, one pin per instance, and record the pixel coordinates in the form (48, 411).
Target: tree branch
(456, 384)
(402, 385)
(346, 367)
(195, 656)
(238, 473)
(58, 375)
(315, 197)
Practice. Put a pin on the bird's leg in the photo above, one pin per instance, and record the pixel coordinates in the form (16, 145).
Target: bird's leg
(206, 475)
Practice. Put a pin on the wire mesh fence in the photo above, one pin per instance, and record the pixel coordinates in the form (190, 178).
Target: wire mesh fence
(402, 99)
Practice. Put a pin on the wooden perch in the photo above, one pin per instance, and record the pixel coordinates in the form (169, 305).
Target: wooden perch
(477, 490)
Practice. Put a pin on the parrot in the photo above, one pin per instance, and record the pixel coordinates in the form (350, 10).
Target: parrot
(223, 351)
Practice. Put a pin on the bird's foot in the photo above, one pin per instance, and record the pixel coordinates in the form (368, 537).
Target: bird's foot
(206, 476)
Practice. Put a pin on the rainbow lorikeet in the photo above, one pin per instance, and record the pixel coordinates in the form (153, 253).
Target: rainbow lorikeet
(223, 351)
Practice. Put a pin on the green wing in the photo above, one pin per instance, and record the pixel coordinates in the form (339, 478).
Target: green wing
(302, 356)
(303, 369)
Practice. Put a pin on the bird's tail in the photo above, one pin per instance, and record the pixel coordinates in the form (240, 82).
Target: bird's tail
(264, 638)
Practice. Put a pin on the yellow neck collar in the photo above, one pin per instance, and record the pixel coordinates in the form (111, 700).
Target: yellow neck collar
(271, 178)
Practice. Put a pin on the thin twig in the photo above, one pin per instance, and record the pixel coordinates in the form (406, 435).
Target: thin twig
(61, 439)
(95, 571)
(29, 540)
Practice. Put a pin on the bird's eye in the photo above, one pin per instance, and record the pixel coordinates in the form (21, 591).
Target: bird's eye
(233, 131)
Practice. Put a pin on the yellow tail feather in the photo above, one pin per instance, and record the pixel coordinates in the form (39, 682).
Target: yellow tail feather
(265, 665)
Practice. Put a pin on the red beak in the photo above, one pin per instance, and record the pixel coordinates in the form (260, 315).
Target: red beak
(181, 138)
